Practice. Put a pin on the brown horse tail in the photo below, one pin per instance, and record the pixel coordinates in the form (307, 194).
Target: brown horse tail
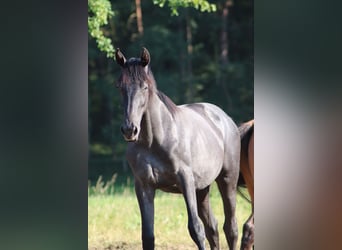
(243, 195)
(246, 130)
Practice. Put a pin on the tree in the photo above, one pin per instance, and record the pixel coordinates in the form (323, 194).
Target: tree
(186, 62)
(139, 17)
(99, 11)
(201, 5)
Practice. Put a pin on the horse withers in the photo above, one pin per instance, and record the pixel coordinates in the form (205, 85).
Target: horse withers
(180, 149)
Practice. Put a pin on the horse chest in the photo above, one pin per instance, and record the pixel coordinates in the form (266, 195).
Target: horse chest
(152, 168)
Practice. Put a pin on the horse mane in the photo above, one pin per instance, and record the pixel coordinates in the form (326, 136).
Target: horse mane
(170, 105)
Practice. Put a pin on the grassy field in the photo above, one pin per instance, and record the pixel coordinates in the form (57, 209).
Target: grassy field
(114, 220)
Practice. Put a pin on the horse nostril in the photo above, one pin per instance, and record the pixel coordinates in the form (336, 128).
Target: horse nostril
(135, 130)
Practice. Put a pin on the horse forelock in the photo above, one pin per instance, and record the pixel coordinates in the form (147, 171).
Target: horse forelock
(134, 72)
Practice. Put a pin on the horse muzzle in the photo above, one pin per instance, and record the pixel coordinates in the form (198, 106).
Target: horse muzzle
(129, 132)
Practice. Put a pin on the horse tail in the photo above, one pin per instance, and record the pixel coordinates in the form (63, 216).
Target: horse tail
(243, 195)
(246, 130)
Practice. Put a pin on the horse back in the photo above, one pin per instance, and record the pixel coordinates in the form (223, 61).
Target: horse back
(216, 118)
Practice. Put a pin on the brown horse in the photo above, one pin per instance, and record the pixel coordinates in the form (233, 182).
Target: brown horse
(247, 171)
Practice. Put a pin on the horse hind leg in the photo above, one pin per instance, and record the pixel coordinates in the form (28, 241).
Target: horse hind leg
(207, 217)
(248, 234)
(247, 239)
(227, 182)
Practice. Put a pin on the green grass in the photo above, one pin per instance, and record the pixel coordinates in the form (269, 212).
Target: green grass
(114, 220)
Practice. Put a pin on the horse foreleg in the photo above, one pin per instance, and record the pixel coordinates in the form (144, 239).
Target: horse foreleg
(227, 187)
(187, 185)
(207, 216)
(248, 234)
(145, 195)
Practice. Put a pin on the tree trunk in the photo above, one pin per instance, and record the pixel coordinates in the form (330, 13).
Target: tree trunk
(190, 92)
(224, 53)
(224, 33)
(139, 17)
(182, 62)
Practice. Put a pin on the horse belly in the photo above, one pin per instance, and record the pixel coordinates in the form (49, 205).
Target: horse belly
(206, 141)
(207, 162)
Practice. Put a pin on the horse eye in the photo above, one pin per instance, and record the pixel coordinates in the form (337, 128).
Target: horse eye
(145, 88)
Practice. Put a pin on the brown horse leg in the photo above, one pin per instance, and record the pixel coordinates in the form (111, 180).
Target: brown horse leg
(207, 216)
(248, 234)
(227, 187)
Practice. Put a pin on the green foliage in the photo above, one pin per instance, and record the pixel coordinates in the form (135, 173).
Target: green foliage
(99, 12)
(100, 149)
(101, 187)
(201, 5)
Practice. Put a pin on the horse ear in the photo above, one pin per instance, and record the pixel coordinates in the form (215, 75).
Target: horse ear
(145, 57)
(120, 58)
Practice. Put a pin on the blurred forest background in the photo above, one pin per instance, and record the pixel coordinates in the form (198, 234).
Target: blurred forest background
(196, 56)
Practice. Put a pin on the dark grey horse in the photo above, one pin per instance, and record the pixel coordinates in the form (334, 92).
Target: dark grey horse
(180, 149)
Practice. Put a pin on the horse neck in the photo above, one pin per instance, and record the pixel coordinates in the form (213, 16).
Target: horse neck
(157, 122)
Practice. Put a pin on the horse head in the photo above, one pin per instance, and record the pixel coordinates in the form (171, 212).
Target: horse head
(135, 83)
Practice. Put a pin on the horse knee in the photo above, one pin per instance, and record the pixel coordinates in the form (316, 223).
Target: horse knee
(230, 229)
(213, 227)
(197, 232)
(196, 229)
